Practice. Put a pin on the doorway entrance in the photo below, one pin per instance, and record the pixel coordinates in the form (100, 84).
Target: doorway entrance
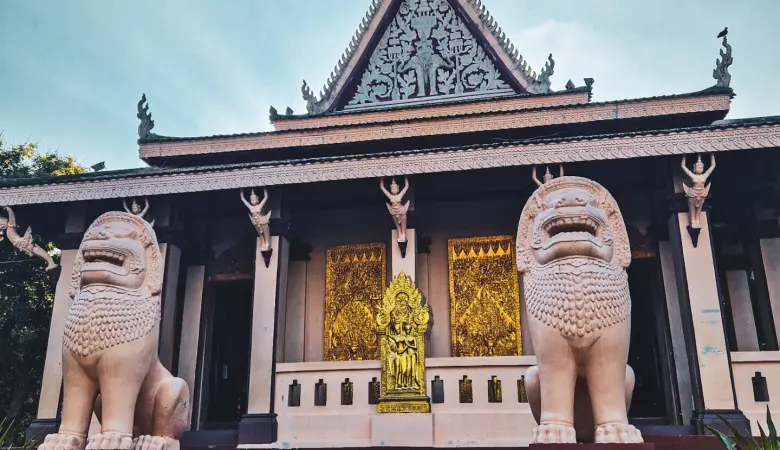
(229, 353)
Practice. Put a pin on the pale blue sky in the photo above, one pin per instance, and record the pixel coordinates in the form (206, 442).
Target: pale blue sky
(71, 72)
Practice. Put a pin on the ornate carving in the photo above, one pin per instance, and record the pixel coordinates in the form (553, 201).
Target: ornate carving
(699, 190)
(401, 323)
(573, 251)
(259, 219)
(23, 243)
(547, 175)
(397, 209)
(413, 162)
(427, 51)
(355, 276)
(484, 299)
(721, 71)
(146, 125)
(110, 343)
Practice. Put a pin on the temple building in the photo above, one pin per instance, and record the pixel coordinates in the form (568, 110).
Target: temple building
(412, 165)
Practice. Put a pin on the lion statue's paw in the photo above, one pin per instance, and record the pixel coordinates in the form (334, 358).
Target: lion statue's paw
(110, 441)
(618, 434)
(155, 443)
(62, 442)
(554, 434)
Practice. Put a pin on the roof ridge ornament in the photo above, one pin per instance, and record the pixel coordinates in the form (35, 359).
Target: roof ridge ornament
(721, 71)
(146, 125)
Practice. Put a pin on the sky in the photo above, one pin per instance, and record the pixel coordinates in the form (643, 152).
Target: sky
(72, 72)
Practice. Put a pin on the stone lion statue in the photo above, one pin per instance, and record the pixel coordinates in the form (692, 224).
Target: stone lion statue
(109, 356)
(573, 251)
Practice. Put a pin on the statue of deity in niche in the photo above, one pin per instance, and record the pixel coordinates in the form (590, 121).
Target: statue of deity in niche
(402, 321)
(24, 243)
(259, 220)
(547, 175)
(699, 190)
(135, 209)
(396, 207)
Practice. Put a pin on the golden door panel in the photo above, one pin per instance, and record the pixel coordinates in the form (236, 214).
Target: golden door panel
(484, 299)
(355, 277)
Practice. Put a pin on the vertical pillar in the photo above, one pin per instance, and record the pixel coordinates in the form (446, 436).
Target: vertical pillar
(190, 328)
(46, 420)
(171, 254)
(742, 310)
(408, 262)
(295, 320)
(258, 426)
(705, 332)
(770, 254)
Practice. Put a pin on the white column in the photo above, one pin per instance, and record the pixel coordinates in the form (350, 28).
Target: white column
(295, 322)
(190, 327)
(171, 254)
(314, 348)
(407, 264)
(270, 286)
(709, 335)
(742, 310)
(681, 363)
(52, 369)
(770, 254)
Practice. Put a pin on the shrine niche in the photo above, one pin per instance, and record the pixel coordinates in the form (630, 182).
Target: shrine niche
(355, 276)
(401, 323)
(427, 51)
(484, 297)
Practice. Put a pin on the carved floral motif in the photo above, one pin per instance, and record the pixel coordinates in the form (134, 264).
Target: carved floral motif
(355, 276)
(426, 51)
(484, 299)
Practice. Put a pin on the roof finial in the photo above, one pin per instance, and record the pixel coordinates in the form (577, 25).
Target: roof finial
(308, 96)
(544, 76)
(721, 71)
(273, 114)
(146, 125)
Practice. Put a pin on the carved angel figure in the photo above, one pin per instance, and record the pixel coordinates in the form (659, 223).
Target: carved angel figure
(135, 209)
(699, 189)
(259, 220)
(396, 207)
(547, 175)
(24, 243)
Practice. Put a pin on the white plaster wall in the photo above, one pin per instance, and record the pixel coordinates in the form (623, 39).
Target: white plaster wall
(190, 328)
(742, 310)
(456, 424)
(745, 365)
(295, 319)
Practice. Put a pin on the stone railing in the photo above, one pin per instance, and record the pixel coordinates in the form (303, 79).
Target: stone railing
(474, 401)
(757, 383)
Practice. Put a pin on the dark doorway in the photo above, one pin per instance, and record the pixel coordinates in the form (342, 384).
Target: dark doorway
(649, 352)
(230, 352)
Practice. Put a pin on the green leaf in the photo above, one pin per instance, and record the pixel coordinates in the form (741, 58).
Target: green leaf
(727, 441)
(772, 430)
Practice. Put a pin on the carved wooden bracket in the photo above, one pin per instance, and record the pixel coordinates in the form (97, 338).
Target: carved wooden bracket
(694, 233)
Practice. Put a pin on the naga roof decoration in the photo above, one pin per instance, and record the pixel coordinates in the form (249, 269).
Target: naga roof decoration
(428, 50)
(146, 125)
(721, 71)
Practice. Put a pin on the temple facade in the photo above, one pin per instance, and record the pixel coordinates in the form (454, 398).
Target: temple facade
(408, 173)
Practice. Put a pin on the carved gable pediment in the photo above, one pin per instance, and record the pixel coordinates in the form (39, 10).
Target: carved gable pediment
(418, 51)
(427, 51)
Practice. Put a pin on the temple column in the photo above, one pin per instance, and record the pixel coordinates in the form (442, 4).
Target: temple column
(258, 426)
(46, 420)
(703, 326)
(190, 328)
(407, 262)
(171, 254)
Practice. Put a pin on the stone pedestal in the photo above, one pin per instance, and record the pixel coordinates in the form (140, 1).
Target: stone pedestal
(645, 446)
(402, 430)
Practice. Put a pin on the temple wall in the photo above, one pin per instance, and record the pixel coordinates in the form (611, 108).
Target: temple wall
(747, 368)
(479, 423)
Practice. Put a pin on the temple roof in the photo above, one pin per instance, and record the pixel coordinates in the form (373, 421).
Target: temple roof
(412, 51)
(723, 135)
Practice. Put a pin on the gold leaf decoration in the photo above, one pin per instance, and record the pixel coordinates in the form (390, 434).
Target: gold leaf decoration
(484, 298)
(355, 277)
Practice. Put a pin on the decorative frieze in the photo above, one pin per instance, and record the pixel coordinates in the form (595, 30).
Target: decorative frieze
(596, 149)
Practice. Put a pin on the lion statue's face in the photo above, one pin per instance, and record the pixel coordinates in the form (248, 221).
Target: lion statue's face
(113, 255)
(571, 217)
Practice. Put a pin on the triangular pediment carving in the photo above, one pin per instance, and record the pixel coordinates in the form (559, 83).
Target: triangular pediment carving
(427, 51)
(419, 51)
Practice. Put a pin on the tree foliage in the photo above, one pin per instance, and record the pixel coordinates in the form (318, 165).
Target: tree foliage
(26, 296)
